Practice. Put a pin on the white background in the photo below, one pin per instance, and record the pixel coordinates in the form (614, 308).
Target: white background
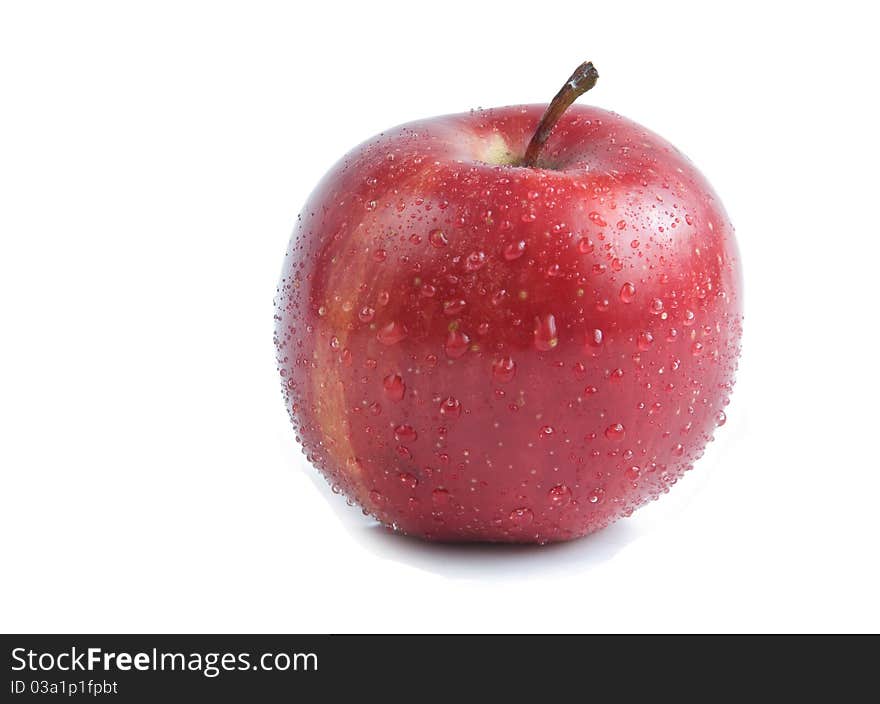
(153, 158)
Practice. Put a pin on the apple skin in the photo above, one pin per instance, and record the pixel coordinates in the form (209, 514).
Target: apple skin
(478, 351)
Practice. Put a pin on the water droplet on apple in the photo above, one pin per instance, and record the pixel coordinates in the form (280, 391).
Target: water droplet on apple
(437, 238)
(632, 473)
(615, 431)
(596, 496)
(503, 369)
(521, 516)
(585, 245)
(594, 337)
(559, 495)
(720, 418)
(405, 433)
(645, 340)
(391, 334)
(627, 292)
(545, 337)
(450, 407)
(514, 250)
(475, 261)
(394, 387)
(366, 314)
(410, 481)
(456, 344)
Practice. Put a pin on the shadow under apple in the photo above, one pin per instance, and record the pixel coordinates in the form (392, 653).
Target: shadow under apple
(479, 561)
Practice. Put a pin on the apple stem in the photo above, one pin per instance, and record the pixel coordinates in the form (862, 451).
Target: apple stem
(583, 78)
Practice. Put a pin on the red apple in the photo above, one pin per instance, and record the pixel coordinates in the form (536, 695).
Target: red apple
(516, 324)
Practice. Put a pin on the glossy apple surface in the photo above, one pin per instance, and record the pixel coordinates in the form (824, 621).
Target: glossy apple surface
(475, 350)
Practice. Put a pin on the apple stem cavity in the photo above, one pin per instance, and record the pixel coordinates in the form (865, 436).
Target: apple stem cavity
(583, 78)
